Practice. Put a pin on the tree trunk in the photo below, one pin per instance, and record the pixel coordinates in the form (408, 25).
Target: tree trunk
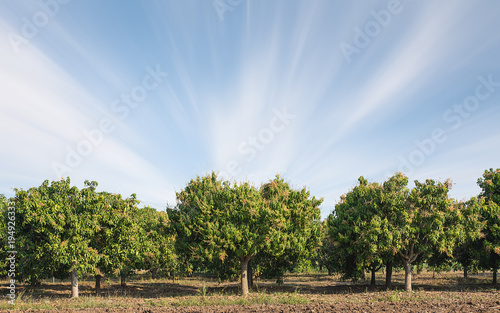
(74, 284)
(388, 275)
(329, 271)
(465, 272)
(495, 276)
(153, 273)
(250, 275)
(407, 266)
(123, 280)
(244, 275)
(97, 284)
(372, 282)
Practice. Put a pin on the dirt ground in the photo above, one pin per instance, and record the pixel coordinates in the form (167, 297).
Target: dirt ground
(400, 307)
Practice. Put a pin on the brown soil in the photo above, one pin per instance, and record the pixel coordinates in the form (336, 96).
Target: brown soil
(400, 307)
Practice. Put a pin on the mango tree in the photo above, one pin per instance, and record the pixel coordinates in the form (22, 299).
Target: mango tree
(55, 226)
(4, 234)
(218, 220)
(118, 238)
(426, 223)
(394, 195)
(467, 252)
(360, 230)
(157, 249)
(298, 218)
(215, 220)
(490, 256)
(361, 227)
(490, 212)
(325, 255)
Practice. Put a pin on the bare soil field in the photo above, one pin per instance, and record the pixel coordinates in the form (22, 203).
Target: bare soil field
(445, 292)
(457, 306)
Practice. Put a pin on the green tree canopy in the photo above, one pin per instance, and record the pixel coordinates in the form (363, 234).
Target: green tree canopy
(490, 191)
(325, 254)
(4, 234)
(297, 216)
(217, 220)
(357, 230)
(426, 224)
(157, 249)
(56, 223)
(361, 226)
(467, 252)
(118, 238)
(374, 222)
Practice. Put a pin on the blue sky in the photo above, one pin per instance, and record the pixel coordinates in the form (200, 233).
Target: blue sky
(142, 96)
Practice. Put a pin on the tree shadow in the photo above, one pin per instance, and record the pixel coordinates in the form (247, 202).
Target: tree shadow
(303, 284)
(133, 289)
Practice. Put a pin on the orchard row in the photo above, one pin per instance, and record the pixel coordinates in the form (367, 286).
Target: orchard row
(237, 230)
